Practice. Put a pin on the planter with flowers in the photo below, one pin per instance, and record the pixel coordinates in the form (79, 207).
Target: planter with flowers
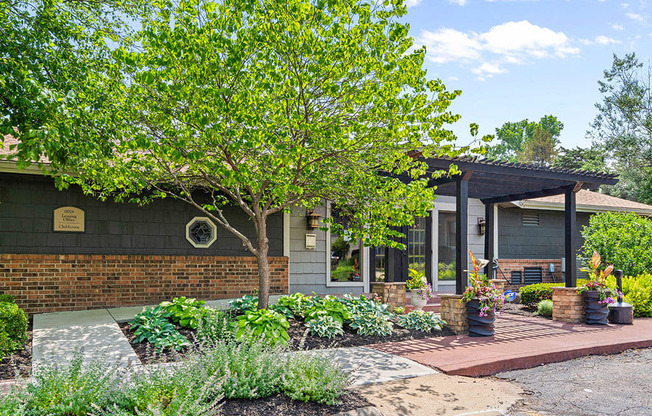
(420, 289)
(483, 301)
(595, 293)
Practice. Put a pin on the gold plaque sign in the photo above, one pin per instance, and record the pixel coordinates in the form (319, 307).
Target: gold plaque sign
(69, 219)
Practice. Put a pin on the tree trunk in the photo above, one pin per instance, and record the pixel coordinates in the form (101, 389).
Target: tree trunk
(263, 266)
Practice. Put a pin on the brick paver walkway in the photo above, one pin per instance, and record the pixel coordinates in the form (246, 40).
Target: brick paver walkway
(521, 342)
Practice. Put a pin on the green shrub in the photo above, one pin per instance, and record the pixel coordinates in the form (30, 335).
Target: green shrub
(637, 290)
(531, 295)
(328, 307)
(421, 321)
(298, 303)
(4, 297)
(243, 304)
(544, 308)
(325, 327)
(270, 325)
(623, 239)
(371, 324)
(184, 311)
(214, 326)
(312, 378)
(13, 321)
(7, 346)
(151, 325)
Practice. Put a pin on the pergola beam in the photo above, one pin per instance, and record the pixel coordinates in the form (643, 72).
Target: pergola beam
(528, 195)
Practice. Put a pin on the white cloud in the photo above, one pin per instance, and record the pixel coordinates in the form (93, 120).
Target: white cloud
(458, 2)
(447, 45)
(617, 27)
(636, 16)
(508, 43)
(412, 3)
(600, 40)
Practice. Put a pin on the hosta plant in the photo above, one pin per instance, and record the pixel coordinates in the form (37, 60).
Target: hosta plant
(270, 325)
(421, 321)
(184, 311)
(243, 304)
(298, 303)
(325, 327)
(328, 307)
(151, 325)
(371, 324)
(362, 305)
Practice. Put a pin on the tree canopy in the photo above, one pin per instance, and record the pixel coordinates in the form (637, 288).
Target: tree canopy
(527, 141)
(260, 104)
(623, 126)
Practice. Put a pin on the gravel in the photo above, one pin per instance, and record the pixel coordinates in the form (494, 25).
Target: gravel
(596, 385)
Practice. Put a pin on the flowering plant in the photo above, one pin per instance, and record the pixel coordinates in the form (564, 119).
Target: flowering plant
(481, 288)
(424, 293)
(598, 279)
(417, 280)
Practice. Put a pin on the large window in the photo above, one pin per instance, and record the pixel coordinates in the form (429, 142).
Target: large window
(446, 245)
(417, 244)
(344, 253)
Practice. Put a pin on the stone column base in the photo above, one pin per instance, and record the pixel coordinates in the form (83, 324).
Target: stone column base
(567, 305)
(454, 313)
(500, 284)
(391, 293)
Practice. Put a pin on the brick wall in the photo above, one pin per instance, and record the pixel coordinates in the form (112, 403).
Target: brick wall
(49, 283)
(567, 305)
(509, 265)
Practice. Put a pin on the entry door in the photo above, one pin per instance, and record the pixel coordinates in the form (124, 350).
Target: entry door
(445, 255)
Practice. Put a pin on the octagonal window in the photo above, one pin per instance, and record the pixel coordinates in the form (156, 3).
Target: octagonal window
(201, 232)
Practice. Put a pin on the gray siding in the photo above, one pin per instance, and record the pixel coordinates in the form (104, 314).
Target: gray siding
(26, 224)
(545, 241)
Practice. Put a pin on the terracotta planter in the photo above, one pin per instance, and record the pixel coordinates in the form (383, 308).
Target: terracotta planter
(595, 313)
(417, 301)
(479, 326)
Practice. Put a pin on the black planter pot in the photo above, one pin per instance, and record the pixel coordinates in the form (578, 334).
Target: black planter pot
(479, 326)
(594, 313)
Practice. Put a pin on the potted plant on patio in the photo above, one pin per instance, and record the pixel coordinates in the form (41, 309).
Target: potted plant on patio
(483, 301)
(595, 293)
(420, 289)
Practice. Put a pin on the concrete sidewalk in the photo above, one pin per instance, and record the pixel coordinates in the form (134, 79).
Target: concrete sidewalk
(58, 335)
(521, 342)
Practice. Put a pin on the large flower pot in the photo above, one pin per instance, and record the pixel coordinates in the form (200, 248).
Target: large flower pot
(479, 326)
(417, 301)
(595, 313)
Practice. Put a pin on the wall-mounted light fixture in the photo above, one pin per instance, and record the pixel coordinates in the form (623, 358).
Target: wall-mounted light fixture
(482, 226)
(312, 219)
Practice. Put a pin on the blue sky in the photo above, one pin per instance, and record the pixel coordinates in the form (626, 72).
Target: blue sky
(516, 59)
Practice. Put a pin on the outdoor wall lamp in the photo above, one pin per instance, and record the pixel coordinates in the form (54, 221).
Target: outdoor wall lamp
(482, 226)
(313, 219)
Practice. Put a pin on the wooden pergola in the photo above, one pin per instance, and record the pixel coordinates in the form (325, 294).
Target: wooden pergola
(494, 182)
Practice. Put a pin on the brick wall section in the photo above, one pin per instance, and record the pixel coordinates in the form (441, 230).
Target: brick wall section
(454, 313)
(509, 265)
(49, 283)
(567, 305)
(391, 293)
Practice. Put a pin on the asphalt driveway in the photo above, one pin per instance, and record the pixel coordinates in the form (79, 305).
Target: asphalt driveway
(597, 385)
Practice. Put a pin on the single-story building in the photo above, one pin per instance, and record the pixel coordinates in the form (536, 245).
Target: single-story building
(63, 250)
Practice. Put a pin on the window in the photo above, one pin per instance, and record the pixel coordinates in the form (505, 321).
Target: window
(201, 232)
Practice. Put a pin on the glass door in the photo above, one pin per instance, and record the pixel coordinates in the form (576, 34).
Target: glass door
(417, 244)
(446, 247)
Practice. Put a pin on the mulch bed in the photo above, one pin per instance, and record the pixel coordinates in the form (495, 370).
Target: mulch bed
(518, 309)
(20, 362)
(299, 340)
(283, 405)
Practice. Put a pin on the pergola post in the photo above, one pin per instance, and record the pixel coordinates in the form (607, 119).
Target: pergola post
(570, 237)
(489, 249)
(461, 235)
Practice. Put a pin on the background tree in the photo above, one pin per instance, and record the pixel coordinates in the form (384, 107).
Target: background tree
(540, 149)
(623, 126)
(592, 159)
(512, 139)
(264, 105)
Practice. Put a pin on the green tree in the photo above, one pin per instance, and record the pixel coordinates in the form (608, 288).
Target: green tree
(264, 105)
(623, 126)
(541, 149)
(512, 138)
(592, 159)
